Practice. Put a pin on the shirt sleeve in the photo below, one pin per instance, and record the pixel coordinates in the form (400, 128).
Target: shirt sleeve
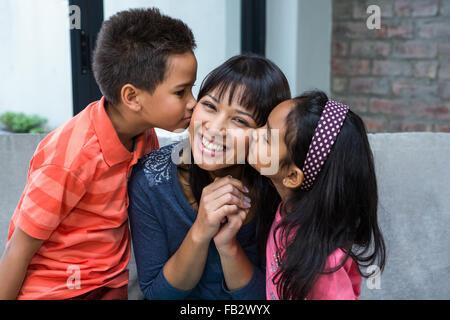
(51, 193)
(150, 245)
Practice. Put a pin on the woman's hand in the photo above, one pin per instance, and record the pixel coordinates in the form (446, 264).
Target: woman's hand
(220, 202)
(225, 239)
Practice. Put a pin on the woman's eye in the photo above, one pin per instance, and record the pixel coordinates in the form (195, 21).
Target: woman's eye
(209, 106)
(240, 121)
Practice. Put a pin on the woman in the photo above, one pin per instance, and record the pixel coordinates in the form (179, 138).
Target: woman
(193, 224)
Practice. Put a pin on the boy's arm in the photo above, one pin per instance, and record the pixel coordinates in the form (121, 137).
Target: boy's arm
(14, 263)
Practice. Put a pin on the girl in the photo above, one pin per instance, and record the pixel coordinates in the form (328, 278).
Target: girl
(322, 230)
(193, 224)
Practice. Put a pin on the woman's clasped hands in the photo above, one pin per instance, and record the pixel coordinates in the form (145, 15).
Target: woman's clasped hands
(223, 208)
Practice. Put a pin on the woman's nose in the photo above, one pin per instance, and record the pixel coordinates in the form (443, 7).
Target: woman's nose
(216, 126)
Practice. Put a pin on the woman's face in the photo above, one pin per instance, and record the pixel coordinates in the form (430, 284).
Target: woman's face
(219, 132)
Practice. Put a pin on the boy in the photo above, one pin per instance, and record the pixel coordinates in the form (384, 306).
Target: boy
(68, 237)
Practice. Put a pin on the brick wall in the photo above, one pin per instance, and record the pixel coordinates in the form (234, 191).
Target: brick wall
(396, 77)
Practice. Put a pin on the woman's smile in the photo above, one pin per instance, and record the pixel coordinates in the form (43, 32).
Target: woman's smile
(210, 147)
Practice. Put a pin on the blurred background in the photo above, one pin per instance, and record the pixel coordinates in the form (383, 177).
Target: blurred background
(396, 77)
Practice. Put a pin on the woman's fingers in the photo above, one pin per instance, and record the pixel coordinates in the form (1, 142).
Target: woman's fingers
(220, 182)
(227, 232)
(222, 198)
(228, 194)
(225, 211)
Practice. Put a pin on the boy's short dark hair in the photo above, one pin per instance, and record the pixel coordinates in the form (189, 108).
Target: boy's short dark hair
(133, 47)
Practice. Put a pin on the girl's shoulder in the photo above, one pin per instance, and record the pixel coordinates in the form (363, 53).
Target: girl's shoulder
(342, 284)
(336, 259)
(157, 166)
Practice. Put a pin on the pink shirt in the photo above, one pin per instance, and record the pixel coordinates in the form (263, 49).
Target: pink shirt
(344, 284)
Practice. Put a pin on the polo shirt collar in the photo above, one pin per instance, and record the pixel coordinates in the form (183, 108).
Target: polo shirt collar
(114, 152)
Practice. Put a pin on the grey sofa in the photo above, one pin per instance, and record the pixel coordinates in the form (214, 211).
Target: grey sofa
(414, 210)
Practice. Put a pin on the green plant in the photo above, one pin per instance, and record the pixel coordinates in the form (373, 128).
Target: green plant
(22, 123)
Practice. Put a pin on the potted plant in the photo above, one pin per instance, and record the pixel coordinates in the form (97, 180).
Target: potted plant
(18, 122)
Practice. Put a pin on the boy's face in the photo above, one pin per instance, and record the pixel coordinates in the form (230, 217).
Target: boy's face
(170, 106)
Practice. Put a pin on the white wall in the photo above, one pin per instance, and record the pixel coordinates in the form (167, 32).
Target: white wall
(282, 37)
(314, 45)
(299, 41)
(35, 63)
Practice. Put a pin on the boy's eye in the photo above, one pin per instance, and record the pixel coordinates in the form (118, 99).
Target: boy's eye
(180, 93)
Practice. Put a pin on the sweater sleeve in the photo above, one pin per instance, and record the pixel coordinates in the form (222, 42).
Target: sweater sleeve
(149, 244)
(255, 289)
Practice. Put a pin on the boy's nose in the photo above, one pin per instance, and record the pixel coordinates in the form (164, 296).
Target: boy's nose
(192, 103)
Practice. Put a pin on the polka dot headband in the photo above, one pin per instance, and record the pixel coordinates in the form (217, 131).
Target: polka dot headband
(329, 125)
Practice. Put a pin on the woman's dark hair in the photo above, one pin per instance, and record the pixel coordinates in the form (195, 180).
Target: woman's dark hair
(133, 46)
(258, 85)
(340, 210)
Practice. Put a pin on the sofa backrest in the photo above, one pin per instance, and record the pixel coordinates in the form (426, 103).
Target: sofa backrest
(414, 214)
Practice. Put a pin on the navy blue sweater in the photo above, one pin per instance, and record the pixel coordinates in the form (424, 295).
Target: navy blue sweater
(160, 217)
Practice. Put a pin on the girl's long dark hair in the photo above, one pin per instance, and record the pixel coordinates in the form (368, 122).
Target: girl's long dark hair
(340, 211)
(258, 85)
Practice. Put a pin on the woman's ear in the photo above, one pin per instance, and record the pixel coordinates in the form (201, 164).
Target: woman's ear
(294, 178)
(130, 97)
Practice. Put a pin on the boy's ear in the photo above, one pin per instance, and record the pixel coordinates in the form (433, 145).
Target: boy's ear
(294, 178)
(130, 97)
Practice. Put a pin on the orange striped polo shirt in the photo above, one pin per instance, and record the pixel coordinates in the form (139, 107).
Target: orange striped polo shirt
(76, 201)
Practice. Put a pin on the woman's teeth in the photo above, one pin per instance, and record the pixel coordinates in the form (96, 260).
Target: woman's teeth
(212, 146)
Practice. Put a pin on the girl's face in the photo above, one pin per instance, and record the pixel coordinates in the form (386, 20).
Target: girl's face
(219, 132)
(267, 146)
